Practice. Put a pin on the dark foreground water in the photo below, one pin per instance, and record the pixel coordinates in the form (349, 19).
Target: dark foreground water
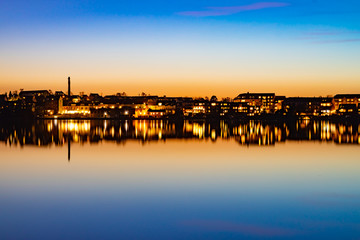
(184, 180)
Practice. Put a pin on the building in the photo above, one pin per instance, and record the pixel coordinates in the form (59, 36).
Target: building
(307, 106)
(34, 93)
(347, 103)
(156, 113)
(258, 102)
(327, 107)
(278, 103)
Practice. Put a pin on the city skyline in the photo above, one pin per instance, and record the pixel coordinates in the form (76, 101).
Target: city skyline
(149, 94)
(202, 48)
(48, 104)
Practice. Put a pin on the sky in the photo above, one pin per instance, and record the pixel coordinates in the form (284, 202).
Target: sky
(181, 48)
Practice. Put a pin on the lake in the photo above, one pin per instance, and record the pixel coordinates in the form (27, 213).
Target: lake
(155, 179)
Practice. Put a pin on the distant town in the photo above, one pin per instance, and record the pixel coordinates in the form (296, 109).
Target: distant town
(48, 104)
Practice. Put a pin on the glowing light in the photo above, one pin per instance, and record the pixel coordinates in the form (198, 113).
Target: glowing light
(213, 134)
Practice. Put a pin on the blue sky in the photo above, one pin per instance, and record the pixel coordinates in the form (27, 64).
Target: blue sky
(333, 13)
(152, 43)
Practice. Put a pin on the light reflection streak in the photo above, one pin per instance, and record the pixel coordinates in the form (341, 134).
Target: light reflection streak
(58, 132)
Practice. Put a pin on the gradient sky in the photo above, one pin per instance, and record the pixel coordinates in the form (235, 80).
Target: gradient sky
(187, 48)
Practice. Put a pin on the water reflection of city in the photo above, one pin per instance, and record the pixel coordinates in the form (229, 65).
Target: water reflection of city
(59, 132)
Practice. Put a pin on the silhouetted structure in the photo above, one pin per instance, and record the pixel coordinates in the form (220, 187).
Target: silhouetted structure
(260, 106)
(69, 93)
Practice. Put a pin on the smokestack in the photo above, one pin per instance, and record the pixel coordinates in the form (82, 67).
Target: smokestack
(68, 86)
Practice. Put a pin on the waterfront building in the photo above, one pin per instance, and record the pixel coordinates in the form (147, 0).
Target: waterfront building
(258, 102)
(308, 106)
(156, 113)
(327, 107)
(199, 107)
(278, 103)
(303, 106)
(75, 109)
(43, 103)
(343, 103)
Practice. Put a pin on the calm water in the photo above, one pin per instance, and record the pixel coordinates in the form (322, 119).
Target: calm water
(184, 180)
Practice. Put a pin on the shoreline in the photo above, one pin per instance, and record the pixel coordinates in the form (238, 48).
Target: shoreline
(267, 118)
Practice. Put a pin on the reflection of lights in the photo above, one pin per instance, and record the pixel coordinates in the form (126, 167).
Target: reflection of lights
(279, 135)
(213, 134)
(81, 127)
(126, 126)
(188, 127)
(245, 133)
(198, 130)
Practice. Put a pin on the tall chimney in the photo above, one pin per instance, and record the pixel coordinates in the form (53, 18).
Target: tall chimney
(68, 86)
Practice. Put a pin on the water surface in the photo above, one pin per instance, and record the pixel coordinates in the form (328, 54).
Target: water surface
(183, 180)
